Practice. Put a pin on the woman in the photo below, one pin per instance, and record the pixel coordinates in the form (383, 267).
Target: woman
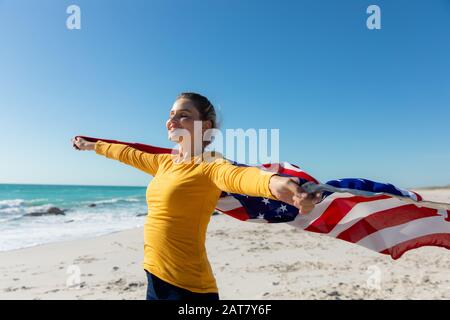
(182, 196)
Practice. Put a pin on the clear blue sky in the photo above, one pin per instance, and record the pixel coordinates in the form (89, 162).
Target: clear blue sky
(349, 102)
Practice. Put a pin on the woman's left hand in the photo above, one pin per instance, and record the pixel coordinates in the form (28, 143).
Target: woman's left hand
(287, 189)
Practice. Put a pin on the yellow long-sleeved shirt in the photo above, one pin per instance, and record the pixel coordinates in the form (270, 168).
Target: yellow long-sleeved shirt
(181, 198)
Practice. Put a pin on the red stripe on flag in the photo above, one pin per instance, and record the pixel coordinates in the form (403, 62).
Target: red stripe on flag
(419, 197)
(385, 219)
(437, 239)
(238, 213)
(282, 170)
(138, 146)
(302, 175)
(338, 209)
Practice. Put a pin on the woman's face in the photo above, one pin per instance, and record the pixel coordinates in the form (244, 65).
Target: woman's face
(182, 116)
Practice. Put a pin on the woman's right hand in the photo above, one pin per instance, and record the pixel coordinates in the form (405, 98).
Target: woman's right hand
(287, 189)
(82, 144)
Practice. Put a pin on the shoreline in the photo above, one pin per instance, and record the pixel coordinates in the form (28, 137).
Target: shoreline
(92, 237)
(428, 194)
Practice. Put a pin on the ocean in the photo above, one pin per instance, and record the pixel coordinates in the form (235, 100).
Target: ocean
(89, 211)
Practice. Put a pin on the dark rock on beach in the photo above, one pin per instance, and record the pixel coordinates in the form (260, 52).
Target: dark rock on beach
(53, 211)
(92, 205)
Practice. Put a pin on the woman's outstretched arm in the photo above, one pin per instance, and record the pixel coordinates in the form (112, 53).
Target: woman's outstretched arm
(144, 161)
(253, 181)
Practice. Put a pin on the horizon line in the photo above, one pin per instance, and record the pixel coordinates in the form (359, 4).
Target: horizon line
(70, 185)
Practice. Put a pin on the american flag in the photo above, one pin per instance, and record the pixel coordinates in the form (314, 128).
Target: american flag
(378, 216)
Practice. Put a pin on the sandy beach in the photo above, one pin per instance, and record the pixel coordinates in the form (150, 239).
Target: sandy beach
(250, 261)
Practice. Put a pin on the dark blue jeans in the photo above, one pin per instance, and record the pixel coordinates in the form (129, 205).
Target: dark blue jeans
(158, 289)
